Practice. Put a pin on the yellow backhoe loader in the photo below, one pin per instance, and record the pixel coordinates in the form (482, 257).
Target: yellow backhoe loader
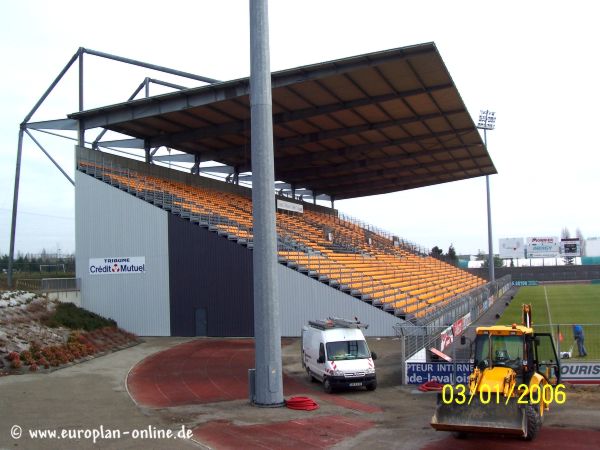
(514, 380)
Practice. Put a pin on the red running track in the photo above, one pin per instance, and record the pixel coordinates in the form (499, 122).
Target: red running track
(318, 433)
(208, 371)
(201, 371)
(214, 370)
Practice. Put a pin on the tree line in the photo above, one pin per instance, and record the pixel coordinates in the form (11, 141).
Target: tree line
(40, 262)
(449, 257)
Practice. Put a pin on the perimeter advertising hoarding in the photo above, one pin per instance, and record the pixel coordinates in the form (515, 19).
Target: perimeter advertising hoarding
(446, 338)
(461, 324)
(456, 329)
(580, 372)
(543, 247)
(525, 283)
(512, 248)
(443, 372)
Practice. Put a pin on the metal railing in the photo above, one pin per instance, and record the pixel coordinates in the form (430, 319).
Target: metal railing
(565, 342)
(60, 284)
(426, 333)
(49, 284)
(404, 243)
(30, 285)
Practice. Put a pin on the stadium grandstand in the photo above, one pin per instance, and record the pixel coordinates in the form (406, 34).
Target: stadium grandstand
(338, 252)
(359, 126)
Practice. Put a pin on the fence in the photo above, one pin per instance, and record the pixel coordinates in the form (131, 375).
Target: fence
(451, 319)
(574, 369)
(546, 273)
(565, 340)
(49, 284)
(31, 285)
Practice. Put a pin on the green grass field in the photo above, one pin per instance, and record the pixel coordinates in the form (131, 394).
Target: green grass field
(565, 305)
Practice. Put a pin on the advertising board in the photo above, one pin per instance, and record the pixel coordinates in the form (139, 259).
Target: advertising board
(121, 265)
(543, 247)
(512, 248)
(290, 206)
(447, 337)
(580, 372)
(442, 372)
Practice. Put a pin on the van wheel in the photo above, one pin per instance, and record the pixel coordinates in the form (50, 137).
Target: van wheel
(327, 386)
(372, 386)
(311, 378)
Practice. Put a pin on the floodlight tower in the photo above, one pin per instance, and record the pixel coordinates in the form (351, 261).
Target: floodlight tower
(487, 121)
(268, 382)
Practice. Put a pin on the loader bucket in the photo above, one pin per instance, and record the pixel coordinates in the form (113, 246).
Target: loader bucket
(499, 418)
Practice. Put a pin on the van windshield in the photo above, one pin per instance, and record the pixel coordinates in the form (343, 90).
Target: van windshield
(337, 351)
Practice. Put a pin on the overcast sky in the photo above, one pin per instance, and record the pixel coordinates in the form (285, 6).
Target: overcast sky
(535, 63)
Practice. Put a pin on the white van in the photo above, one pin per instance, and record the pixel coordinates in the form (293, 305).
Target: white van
(335, 352)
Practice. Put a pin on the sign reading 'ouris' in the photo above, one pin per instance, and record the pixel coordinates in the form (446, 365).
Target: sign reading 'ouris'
(580, 372)
(117, 266)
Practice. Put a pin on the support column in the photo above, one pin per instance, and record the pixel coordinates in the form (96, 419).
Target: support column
(147, 152)
(267, 331)
(80, 126)
(13, 224)
(20, 150)
(196, 166)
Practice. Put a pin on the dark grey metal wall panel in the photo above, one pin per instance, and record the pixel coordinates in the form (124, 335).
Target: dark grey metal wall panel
(208, 271)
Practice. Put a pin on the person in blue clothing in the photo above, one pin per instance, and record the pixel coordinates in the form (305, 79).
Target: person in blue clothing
(579, 338)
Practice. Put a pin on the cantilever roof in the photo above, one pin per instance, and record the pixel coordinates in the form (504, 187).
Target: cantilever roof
(370, 124)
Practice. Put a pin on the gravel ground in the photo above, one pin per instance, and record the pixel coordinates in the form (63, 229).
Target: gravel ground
(83, 396)
(91, 394)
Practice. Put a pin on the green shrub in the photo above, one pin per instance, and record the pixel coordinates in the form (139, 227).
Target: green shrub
(70, 316)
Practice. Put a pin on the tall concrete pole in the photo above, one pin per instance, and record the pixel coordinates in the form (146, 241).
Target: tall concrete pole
(489, 220)
(267, 331)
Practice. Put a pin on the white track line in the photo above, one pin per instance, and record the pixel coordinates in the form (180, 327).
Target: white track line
(548, 309)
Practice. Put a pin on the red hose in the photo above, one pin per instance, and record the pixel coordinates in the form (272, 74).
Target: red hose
(302, 403)
(431, 386)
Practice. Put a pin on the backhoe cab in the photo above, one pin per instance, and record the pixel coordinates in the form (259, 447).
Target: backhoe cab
(510, 364)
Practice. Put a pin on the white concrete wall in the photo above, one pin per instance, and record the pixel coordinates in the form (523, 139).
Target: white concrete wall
(303, 298)
(66, 297)
(113, 223)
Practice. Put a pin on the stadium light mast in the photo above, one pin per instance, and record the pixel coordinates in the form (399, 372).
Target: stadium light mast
(487, 121)
(268, 380)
